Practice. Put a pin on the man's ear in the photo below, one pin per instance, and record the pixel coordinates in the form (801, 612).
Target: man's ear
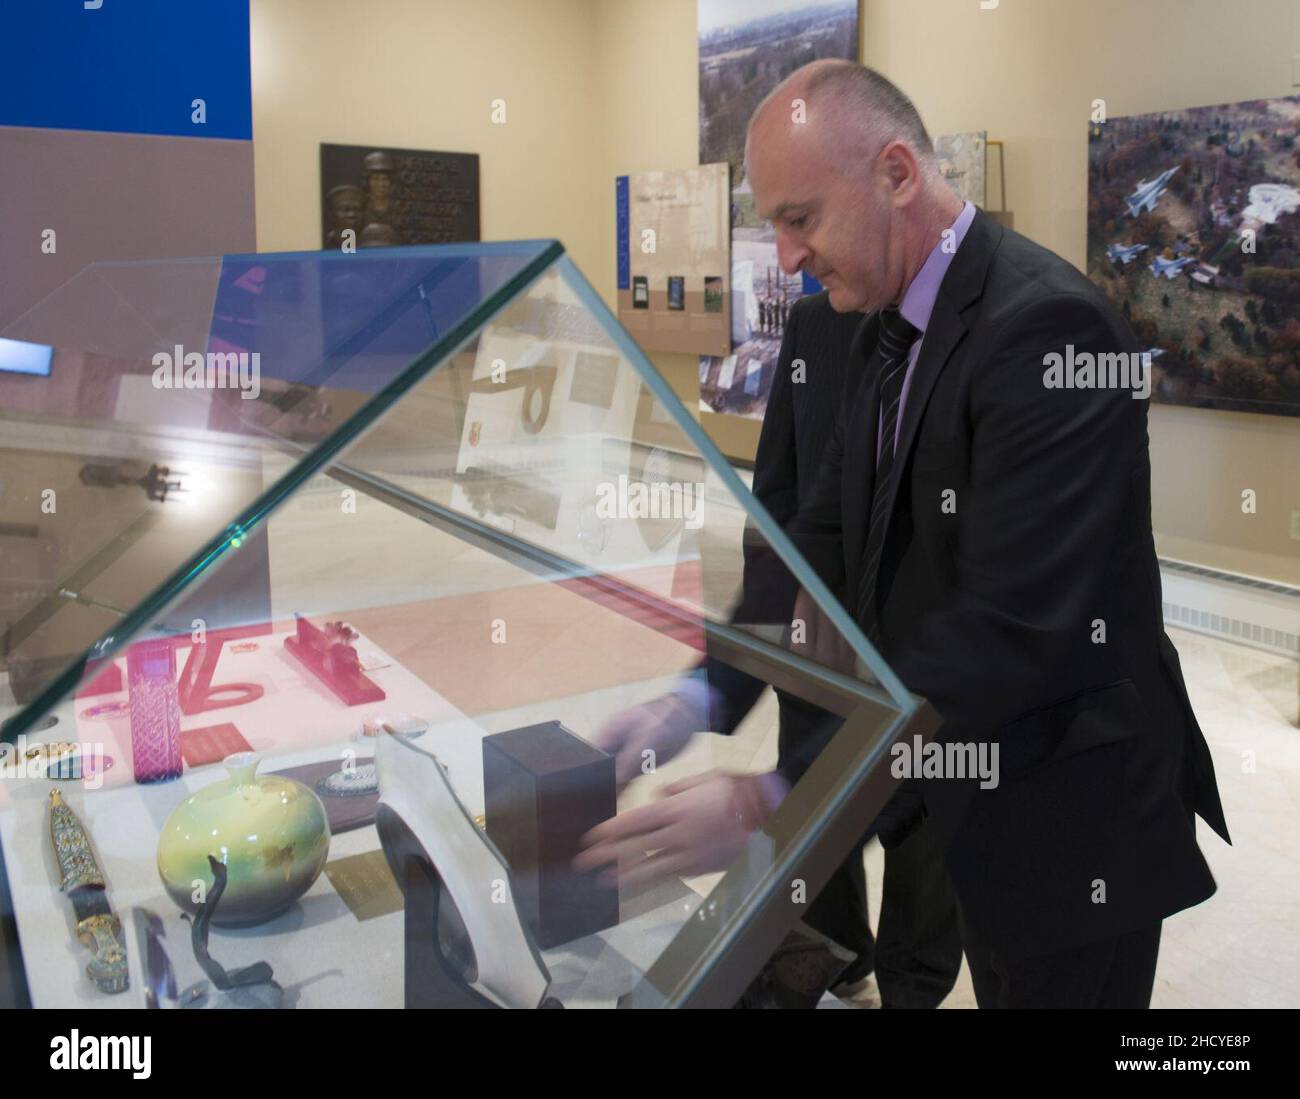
(902, 170)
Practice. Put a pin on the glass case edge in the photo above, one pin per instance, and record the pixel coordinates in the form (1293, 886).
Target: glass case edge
(768, 526)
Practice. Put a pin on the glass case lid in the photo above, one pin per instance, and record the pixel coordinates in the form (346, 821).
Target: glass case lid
(429, 513)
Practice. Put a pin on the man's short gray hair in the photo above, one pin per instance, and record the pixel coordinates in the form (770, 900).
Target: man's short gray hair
(877, 102)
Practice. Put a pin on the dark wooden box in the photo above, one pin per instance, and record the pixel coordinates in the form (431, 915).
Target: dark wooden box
(543, 788)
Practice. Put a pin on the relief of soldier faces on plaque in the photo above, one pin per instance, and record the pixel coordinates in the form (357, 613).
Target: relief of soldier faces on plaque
(378, 198)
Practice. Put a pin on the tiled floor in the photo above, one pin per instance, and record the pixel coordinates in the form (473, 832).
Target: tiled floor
(1241, 948)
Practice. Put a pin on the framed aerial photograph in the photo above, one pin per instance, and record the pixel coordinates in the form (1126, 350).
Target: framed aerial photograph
(1194, 232)
(745, 50)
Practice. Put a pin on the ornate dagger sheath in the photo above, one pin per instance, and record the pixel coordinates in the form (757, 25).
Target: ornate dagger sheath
(97, 927)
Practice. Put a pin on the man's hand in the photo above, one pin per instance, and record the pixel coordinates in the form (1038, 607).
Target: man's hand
(699, 825)
(815, 636)
(661, 728)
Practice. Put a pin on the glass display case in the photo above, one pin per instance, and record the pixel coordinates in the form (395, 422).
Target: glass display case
(359, 614)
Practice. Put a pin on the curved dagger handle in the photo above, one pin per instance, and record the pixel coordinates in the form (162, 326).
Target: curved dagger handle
(102, 934)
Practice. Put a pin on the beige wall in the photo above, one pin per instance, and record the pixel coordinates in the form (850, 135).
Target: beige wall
(422, 74)
(595, 88)
(649, 84)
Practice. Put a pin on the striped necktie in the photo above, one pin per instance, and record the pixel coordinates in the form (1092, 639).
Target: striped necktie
(896, 338)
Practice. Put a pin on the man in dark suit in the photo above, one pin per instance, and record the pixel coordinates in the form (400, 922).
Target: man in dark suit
(985, 510)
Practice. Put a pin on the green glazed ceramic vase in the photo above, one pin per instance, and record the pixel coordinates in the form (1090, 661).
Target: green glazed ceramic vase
(270, 831)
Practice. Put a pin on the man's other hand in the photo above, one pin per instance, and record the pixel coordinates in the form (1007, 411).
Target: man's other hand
(643, 737)
(697, 826)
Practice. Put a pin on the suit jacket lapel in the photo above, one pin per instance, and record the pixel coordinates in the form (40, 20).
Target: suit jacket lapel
(862, 418)
(962, 285)
(942, 336)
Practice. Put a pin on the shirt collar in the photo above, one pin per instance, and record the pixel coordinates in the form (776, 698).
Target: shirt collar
(918, 302)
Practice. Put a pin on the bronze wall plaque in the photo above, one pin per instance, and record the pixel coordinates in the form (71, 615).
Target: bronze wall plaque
(387, 196)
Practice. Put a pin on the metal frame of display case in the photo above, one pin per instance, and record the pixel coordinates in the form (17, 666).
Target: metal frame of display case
(814, 832)
(710, 960)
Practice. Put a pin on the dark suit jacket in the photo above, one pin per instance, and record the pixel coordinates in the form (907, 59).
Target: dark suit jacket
(989, 607)
(798, 423)
(800, 416)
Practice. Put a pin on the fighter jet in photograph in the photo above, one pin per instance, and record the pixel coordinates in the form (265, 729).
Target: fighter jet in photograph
(1124, 253)
(1170, 267)
(1147, 192)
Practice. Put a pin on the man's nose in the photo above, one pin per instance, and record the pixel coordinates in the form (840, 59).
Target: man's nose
(790, 254)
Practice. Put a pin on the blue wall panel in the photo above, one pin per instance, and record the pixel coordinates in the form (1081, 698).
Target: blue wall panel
(130, 66)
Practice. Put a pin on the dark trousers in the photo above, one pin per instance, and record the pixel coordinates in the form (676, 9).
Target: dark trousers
(1113, 973)
(917, 953)
(918, 944)
(839, 912)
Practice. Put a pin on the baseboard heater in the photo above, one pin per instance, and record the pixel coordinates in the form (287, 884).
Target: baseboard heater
(1263, 614)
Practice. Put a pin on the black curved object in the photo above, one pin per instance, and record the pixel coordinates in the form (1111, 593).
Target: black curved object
(258, 973)
(438, 959)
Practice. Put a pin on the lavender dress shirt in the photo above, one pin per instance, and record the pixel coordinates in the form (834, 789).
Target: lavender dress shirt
(918, 304)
